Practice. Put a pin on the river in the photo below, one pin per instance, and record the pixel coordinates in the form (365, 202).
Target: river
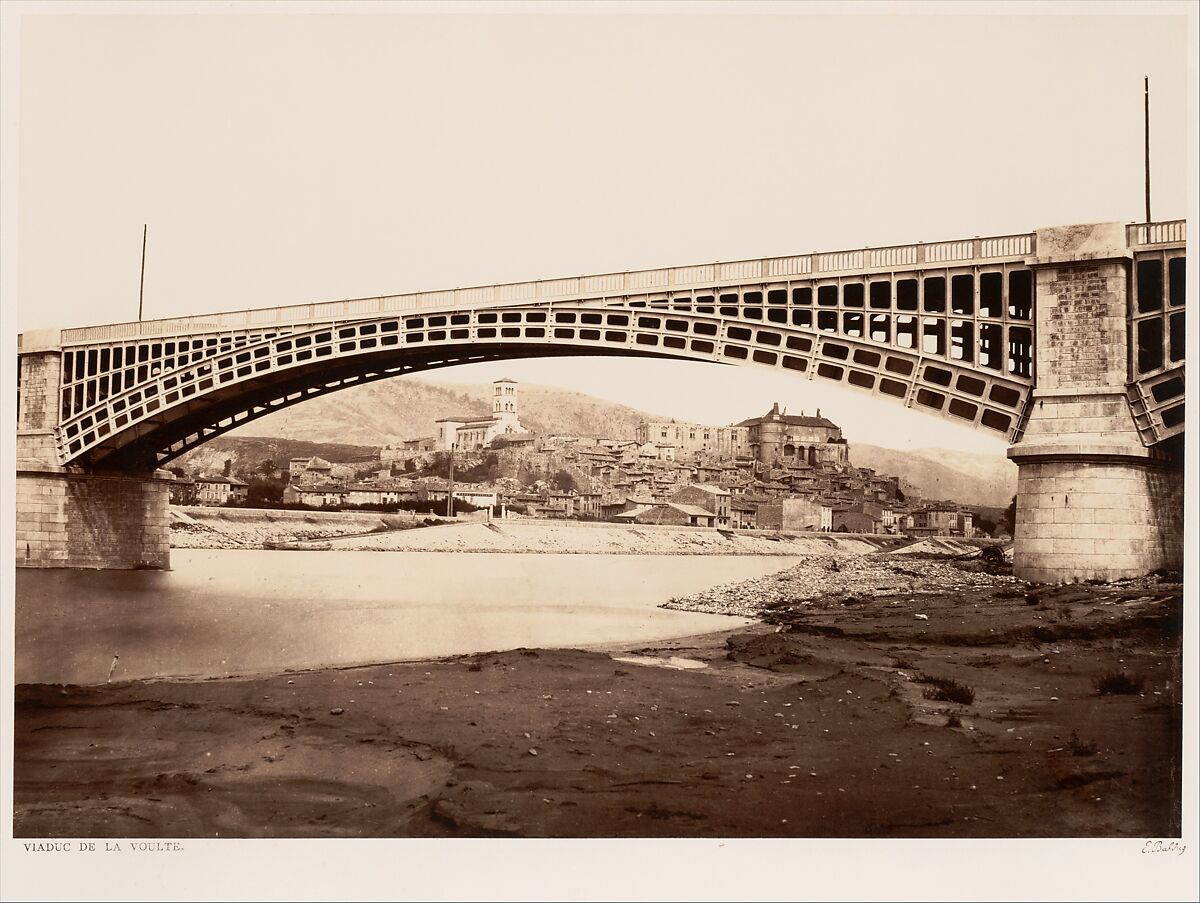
(222, 612)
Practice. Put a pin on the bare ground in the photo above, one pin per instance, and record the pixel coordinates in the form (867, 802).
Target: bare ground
(817, 723)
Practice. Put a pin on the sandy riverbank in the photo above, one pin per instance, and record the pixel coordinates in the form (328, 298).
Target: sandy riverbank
(224, 528)
(818, 723)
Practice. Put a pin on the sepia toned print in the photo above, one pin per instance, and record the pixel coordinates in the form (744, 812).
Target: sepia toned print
(550, 525)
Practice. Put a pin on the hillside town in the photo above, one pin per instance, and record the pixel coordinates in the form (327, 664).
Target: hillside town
(775, 471)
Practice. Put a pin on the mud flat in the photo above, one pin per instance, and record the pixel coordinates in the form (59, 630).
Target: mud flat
(199, 527)
(584, 538)
(226, 528)
(844, 714)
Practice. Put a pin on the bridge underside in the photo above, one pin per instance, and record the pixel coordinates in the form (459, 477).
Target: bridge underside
(180, 429)
(139, 405)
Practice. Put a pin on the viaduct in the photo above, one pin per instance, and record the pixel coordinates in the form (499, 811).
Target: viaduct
(1067, 341)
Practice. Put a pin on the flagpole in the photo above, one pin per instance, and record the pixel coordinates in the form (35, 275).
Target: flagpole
(1147, 111)
(142, 281)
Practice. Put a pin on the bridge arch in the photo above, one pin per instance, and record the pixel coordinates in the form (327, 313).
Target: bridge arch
(136, 404)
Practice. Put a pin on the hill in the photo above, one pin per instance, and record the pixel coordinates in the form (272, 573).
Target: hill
(965, 477)
(394, 409)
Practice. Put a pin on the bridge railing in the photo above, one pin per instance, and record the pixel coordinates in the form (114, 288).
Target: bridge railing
(1141, 235)
(817, 265)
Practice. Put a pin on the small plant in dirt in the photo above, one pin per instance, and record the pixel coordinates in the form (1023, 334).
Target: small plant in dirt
(943, 689)
(1118, 683)
(902, 664)
(1081, 747)
(1032, 599)
(952, 720)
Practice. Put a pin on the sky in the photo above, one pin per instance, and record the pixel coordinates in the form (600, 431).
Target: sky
(287, 158)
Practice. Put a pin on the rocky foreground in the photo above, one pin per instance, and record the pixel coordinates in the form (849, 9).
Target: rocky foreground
(882, 705)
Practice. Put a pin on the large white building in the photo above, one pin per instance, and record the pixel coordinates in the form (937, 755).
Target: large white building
(470, 433)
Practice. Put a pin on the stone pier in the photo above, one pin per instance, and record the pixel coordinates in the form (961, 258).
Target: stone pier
(69, 517)
(1093, 502)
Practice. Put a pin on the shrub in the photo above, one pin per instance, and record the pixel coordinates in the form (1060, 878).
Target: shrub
(952, 720)
(1080, 747)
(1118, 683)
(944, 689)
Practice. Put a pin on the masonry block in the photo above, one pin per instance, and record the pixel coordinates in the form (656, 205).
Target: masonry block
(88, 520)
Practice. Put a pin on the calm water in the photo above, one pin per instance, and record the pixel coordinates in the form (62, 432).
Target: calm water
(221, 612)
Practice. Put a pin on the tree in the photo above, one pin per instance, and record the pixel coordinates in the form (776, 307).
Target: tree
(264, 492)
(228, 468)
(564, 482)
(1010, 517)
(268, 466)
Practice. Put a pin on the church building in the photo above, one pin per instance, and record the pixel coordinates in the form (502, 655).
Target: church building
(471, 433)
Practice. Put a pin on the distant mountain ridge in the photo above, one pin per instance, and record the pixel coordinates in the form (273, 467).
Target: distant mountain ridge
(967, 477)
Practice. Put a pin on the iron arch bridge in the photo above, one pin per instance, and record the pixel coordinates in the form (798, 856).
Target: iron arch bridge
(945, 328)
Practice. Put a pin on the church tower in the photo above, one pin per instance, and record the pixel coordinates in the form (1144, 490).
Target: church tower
(504, 407)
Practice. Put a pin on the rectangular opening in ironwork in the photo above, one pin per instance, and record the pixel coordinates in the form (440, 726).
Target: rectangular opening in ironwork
(995, 420)
(1149, 285)
(963, 409)
(852, 325)
(1149, 344)
(970, 385)
(1004, 395)
(838, 352)
(1020, 351)
(962, 295)
(1173, 417)
(1167, 390)
(802, 296)
(860, 379)
(962, 341)
(852, 294)
(1020, 294)
(935, 294)
(990, 351)
(930, 399)
(1178, 336)
(881, 295)
(827, 296)
(933, 335)
(938, 376)
(1177, 279)
(827, 320)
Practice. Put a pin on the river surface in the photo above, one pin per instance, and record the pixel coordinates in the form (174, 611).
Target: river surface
(220, 612)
